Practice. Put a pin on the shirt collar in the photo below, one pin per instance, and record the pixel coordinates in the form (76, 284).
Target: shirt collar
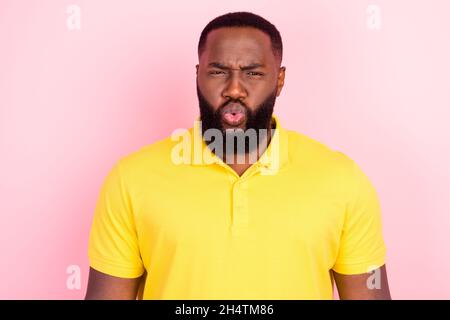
(274, 158)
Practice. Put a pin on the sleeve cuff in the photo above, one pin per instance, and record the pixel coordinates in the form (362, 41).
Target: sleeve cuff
(114, 269)
(359, 268)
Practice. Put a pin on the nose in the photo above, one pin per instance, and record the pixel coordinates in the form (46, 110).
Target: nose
(234, 88)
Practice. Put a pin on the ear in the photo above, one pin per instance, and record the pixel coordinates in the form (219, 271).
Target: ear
(280, 81)
(196, 69)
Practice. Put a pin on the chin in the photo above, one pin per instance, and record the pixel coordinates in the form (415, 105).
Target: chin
(240, 126)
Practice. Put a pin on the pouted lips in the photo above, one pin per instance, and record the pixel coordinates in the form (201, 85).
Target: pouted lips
(233, 114)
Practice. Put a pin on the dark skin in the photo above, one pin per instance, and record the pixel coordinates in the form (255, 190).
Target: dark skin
(354, 287)
(237, 49)
(350, 287)
(228, 69)
(105, 287)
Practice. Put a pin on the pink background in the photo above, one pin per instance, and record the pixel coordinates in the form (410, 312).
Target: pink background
(74, 101)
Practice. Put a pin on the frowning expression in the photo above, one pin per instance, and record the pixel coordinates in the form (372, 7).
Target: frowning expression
(238, 73)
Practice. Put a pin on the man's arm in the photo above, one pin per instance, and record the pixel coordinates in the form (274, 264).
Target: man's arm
(366, 286)
(105, 287)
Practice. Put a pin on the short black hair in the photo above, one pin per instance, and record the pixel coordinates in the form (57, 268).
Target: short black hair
(243, 19)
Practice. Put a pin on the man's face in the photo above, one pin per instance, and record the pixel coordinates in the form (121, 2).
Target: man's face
(238, 80)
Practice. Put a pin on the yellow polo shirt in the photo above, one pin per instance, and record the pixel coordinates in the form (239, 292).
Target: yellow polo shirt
(200, 231)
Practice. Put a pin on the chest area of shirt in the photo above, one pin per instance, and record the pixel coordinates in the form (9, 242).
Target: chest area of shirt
(201, 213)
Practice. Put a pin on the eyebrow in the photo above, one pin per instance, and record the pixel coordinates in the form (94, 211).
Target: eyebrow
(225, 67)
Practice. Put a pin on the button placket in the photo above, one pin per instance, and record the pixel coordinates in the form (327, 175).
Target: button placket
(240, 207)
(240, 201)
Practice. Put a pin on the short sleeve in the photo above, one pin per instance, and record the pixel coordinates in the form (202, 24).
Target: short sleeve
(113, 244)
(361, 246)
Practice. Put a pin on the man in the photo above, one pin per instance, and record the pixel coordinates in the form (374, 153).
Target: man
(198, 223)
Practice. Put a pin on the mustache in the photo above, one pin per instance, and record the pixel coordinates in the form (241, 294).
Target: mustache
(233, 101)
(257, 118)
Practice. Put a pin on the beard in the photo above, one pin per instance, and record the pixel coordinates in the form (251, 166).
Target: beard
(260, 120)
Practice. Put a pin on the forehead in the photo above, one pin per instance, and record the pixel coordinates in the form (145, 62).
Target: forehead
(238, 44)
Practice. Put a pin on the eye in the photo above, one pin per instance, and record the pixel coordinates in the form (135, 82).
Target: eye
(216, 72)
(254, 73)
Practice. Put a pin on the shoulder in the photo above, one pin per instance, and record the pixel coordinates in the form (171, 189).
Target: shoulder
(148, 159)
(319, 160)
(327, 169)
(307, 151)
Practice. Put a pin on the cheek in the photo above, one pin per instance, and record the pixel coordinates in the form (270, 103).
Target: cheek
(211, 91)
(211, 87)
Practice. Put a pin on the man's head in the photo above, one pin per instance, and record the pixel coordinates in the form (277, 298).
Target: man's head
(239, 74)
